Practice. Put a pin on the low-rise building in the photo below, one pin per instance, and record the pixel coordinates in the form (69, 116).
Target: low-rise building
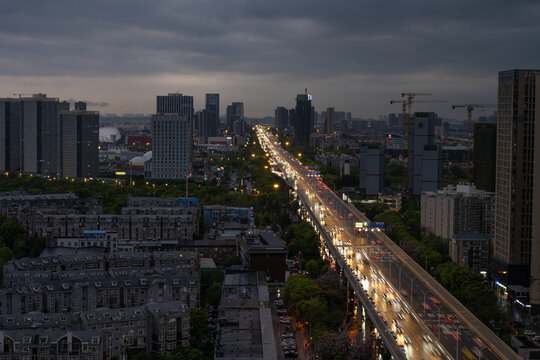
(470, 249)
(215, 216)
(264, 251)
(154, 327)
(51, 345)
(392, 199)
(245, 329)
(138, 302)
(114, 292)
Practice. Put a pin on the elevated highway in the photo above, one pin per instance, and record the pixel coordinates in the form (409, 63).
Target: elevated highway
(414, 315)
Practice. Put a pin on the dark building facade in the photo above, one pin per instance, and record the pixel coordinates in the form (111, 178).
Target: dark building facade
(425, 169)
(79, 139)
(212, 104)
(303, 126)
(281, 118)
(516, 118)
(32, 141)
(485, 156)
(10, 134)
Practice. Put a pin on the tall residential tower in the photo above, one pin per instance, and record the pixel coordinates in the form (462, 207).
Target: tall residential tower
(516, 120)
(303, 125)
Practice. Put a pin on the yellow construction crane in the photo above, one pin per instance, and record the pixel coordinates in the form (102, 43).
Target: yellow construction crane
(470, 108)
(405, 118)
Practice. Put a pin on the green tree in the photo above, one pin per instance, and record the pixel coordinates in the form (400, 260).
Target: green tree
(186, 353)
(313, 309)
(333, 346)
(199, 331)
(11, 232)
(233, 260)
(213, 294)
(312, 268)
(299, 288)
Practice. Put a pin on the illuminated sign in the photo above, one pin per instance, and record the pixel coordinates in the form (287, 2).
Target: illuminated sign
(120, 173)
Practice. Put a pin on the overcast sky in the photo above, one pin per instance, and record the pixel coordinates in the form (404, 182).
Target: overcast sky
(354, 55)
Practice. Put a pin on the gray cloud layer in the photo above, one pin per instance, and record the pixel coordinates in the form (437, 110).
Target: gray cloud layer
(368, 47)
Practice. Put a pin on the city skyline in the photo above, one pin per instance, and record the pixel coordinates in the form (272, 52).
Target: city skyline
(354, 57)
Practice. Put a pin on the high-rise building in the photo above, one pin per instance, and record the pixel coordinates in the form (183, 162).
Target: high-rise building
(10, 134)
(212, 106)
(175, 103)
(228, 120)
(172, 138)
(535, 243)
(79, 140)
(371, 161)
(171, 147)
(303, 125)
(29, 134)
(292, 117)
(208, 124)
(237, 123)
(516, 120)
(40, 135)
(425, 169)
(485, 152)
(281, 118)
(329, 125)
(39, 141)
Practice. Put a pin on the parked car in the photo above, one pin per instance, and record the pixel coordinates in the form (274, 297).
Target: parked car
(285, 320)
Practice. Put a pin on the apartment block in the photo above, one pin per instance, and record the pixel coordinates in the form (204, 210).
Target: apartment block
(470, 249)
(457, 209)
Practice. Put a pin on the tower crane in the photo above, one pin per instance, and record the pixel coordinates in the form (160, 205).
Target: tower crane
(405, 117)
(470, 108)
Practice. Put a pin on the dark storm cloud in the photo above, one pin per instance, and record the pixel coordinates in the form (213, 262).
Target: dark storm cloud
(306, 38)
(353, 54)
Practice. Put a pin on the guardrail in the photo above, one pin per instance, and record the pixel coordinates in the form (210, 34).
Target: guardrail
(384, 331)
(496, 345)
